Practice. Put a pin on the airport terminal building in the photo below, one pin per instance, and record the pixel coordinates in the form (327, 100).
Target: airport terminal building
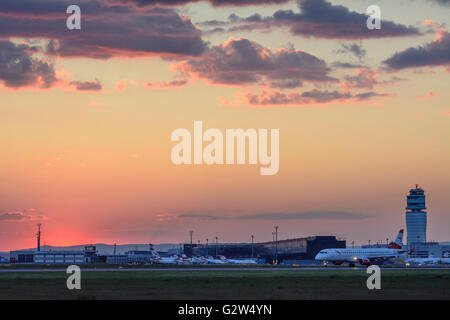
(289, 249)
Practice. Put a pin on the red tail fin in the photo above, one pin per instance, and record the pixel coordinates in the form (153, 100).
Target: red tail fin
(398, 244)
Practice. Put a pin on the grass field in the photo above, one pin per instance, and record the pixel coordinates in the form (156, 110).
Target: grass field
(265, 284)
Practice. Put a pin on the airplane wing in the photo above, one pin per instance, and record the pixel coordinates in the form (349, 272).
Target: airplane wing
(379, 259)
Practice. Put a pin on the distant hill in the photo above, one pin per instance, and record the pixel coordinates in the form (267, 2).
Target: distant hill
(105, 248)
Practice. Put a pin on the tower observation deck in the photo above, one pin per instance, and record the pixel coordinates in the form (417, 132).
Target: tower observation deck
(416, 216)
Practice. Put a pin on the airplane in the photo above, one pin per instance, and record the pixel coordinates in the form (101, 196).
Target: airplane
(363, 256)
(242, 261)
(184, 259)
(221, 260)
(156, 258)
(199, 260)
(445, 258)
(428, 261)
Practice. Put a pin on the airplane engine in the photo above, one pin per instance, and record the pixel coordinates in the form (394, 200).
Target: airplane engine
(365, 262)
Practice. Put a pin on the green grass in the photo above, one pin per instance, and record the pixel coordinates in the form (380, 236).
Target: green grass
(266, 284)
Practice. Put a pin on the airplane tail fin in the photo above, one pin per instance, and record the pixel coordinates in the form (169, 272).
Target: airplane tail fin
(155, 253)
(398, 243)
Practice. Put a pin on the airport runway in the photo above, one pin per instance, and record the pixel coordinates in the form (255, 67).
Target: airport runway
(215, 269)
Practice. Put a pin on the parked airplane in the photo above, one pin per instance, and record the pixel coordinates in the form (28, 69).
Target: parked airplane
(156, 258)
(199, 260)
(242, 261)
(184, 259)
(221, 260)
(363, 256)
(428, 261)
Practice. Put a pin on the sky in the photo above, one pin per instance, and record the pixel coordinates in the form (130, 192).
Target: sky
(86, 117)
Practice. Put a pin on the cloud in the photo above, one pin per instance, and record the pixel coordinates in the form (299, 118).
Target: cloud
(202, 216)
(122, 84)
(245, 62)
(87, 85)
(365, 96)
(307, 215)
(362, 78)
(346, 65)
(166, 85)
(366, 78)
(435, 53)
(321, 19)
(442, 2)
(354, 48)
(18, 67)
(22, 215)
(313, 97)
(429, 95)
(212, 2)
(106, 31)
(305, 98)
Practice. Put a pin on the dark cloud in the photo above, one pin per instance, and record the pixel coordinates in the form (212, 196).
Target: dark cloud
(18, 67)
(307, 215)
(106, 30)
(436, 53)
(169, 84)
(346, 65)
(442, 2)
(363, 78)
(321, 19)
(354, 48)
(308, 97)
(242, 61)
(202, 216)
(213, 2)
(87, 85)
(22, 215)
(366, 78)
(367, 95)
(278, 98)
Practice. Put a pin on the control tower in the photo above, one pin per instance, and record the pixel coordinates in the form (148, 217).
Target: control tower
(416, 216)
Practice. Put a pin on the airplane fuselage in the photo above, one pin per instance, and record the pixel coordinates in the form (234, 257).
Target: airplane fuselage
(357, 255)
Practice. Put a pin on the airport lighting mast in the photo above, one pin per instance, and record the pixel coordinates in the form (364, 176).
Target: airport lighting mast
(253, 237)
(273, 251)
(39, 237)
(217, 246)
(276, 244)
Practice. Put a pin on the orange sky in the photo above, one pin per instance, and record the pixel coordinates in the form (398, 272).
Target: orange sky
(94, 166)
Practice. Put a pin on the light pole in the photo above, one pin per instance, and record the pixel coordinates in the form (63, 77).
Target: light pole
(217, 245)
(273, 246)
(206, 246)
(252, 245)
(191, 233)
(276, 244)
